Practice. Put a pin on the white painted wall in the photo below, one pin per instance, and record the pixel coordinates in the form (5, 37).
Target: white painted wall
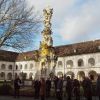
(28, 70)
(64, 69)
(75, 69)
(7, 70)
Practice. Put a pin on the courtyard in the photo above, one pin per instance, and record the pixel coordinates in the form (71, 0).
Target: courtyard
(32, 98)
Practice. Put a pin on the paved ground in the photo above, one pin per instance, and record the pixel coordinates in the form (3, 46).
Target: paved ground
(31, 98)
(22, 98)
(12, 98)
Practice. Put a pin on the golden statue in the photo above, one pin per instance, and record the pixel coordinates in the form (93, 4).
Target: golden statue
(44, 50)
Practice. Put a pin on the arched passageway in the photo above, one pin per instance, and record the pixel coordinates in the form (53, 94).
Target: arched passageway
(9, 76)
(92, 74)
(2, 75)
(70, 74)
(80, 75)
(60, 74)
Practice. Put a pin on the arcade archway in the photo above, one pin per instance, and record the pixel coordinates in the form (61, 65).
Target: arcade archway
(80, 75)
(70, 74)
(92, 74)
(60, 74)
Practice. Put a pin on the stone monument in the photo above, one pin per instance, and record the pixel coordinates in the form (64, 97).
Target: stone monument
(46, 50)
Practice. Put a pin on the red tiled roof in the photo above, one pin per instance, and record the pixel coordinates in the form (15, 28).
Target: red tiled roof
(8, 56)
(60, 51)
(27, 56)
(78, 48)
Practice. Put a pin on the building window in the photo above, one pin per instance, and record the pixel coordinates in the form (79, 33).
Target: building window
(2, 75)
(3, 66)
(16, 67)
(25, 66)
(69, 63)
(9, 76)
(59, 63)
(31, 66)
(91, 61)
(10, 67)
(80, 63)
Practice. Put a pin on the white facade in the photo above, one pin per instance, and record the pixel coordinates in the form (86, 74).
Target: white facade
(6, 70)
(77, 65)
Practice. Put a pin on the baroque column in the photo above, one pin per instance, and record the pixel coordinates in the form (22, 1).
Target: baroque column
(46, 50)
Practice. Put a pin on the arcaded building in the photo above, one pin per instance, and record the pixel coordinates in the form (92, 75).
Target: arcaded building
(76, 60)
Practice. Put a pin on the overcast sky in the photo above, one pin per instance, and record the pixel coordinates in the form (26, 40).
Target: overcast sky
(73, 20)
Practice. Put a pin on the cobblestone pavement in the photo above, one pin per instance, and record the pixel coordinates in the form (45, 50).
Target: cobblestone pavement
(32, 98)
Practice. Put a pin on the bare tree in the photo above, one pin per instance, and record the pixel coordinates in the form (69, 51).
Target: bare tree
(17, 24)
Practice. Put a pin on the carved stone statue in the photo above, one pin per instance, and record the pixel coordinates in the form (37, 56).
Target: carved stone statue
(46, 43)
(48, 14)
(47, 17)
(43, 71)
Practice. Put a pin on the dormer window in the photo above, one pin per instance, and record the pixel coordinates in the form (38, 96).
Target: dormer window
(74, 50)
(99, 47)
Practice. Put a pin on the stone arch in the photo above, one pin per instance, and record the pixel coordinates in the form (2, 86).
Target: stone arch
(70, 74)
(69, 63)
(91, 61)
(59, 74)
(80, 75)
(60, 64)
(80, 62)
(9, 76)
(92, 74)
